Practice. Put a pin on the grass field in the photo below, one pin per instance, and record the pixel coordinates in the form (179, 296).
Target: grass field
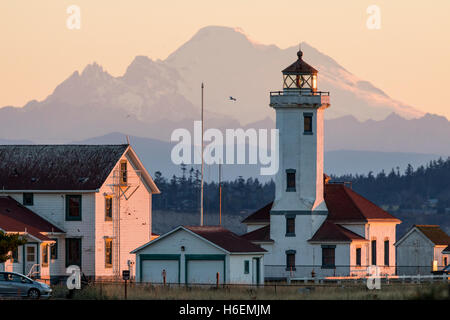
(109, 291)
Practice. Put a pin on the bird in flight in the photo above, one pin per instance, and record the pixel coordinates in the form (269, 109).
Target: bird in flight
(232, 99)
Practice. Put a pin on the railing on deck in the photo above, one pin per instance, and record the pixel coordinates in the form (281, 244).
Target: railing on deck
(291, 92)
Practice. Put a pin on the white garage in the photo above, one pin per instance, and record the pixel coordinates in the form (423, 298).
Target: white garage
(200, 255)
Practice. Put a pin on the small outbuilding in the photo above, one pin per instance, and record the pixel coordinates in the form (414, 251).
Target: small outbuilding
(200, 255)
(423, 249)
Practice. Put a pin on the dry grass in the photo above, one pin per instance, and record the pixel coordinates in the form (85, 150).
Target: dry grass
(268, 292)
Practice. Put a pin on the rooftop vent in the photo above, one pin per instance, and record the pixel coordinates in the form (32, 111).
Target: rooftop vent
(83, 180)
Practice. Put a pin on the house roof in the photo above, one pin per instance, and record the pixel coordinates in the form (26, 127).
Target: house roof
(217, 236)
(344, 205)
(446, 250)
(57, 167)
(299, 66)
(435, 234)
(259, 235)
(14, 217)
(330, 231)
(261, 215)
(225, 239)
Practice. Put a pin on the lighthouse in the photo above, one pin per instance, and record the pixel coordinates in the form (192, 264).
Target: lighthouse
(299, 208)
(315, 227)
(300, 111)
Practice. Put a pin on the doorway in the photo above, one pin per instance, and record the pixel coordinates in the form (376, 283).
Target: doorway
(73, 252)
(30, 258)
(256, 271)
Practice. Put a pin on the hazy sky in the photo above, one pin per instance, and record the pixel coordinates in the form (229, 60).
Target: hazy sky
(409, 57)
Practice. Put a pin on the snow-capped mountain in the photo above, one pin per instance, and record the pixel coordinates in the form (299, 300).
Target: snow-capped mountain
(154, 97)
(231, 64)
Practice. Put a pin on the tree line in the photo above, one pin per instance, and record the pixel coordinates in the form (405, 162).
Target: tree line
(410, 189)
(182, 193)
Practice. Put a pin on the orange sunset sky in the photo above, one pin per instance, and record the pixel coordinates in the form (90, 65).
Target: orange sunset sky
(408, 57)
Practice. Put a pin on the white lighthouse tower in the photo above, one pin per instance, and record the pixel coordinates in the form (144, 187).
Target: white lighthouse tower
(314, 228)
(299, 208)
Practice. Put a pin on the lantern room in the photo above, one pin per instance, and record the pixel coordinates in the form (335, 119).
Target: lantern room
(300, 76)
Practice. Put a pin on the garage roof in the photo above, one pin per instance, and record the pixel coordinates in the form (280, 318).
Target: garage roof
(217, 236)
(225, 239)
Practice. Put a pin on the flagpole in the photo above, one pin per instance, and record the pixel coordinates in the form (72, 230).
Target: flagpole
(201, 185)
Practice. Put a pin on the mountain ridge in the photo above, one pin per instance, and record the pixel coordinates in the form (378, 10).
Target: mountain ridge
(154, 97)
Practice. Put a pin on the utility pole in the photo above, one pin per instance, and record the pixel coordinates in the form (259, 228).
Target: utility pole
(220, 192)
(201, 184)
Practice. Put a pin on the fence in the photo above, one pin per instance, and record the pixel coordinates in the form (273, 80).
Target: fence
(316, 274)
(291, 282)
(279, 272)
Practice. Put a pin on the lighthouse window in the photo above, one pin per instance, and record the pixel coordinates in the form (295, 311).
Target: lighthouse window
(290, 180)
(290, 260)
(290, 226)
(307, 123)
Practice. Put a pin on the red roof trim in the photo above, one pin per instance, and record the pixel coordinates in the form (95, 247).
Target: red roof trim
(344, 205)
(14, 217)
(330, 231)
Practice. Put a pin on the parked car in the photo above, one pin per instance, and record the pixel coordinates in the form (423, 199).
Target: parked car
(446, 270)
(14, 284)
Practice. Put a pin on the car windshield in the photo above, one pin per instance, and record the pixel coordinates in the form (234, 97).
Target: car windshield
(16, 278)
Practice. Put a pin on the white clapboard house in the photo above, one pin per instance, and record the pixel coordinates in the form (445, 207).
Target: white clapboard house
(315, 227)
(200, 255)
(423, 249)
(85, 205)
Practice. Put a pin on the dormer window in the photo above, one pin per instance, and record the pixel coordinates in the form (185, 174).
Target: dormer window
(123, 173)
